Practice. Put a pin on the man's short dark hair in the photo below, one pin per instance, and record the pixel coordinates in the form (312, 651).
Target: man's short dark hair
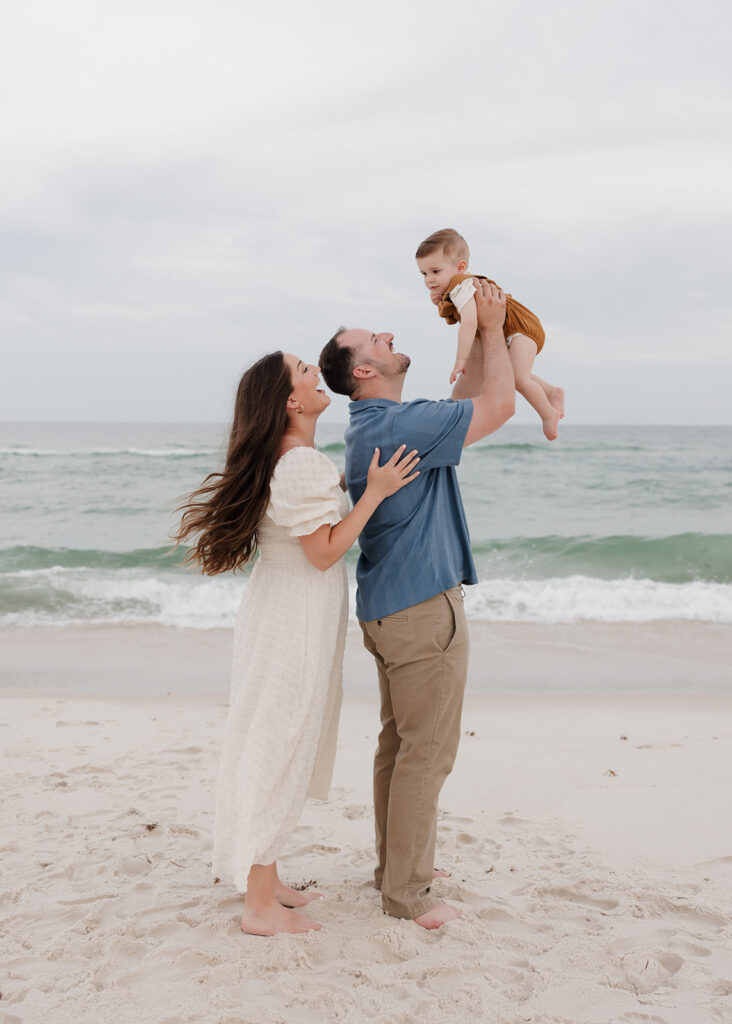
(336, 364)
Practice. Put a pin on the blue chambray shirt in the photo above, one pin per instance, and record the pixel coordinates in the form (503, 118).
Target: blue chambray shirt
(416, 543)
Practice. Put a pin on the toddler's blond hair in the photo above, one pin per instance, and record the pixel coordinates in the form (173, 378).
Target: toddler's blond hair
(448, 241)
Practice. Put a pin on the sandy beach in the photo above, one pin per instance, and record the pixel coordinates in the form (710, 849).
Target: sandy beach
(505, 657)
(587, 835)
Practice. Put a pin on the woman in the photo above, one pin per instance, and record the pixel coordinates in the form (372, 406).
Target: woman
(278, 494)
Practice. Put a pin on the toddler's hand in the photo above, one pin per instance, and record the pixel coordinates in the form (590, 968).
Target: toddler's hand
(394, 474)
(457, 369)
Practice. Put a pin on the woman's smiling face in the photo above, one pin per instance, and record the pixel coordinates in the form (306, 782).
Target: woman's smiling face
(305, 391)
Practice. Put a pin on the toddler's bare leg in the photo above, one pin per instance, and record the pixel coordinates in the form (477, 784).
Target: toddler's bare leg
(553, 393)
(523, 352)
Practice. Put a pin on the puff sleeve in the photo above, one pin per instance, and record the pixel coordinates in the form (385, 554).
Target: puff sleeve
(303, 492)
(462, 293)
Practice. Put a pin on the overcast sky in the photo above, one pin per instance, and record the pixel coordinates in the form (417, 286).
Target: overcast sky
(187, 185)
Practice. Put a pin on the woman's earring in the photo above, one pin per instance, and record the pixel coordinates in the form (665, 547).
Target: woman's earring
(301, 409)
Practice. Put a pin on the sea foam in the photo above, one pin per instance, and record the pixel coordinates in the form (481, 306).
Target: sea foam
(60, 596)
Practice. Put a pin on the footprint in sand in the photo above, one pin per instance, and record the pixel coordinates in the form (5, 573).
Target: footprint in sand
(644, 971)
(466, 839)
(511, 821)
(126, 949)
(178, 927)
(445, 980)
(581, 899)
(356, 811)
(501, 921)
(193, 960)
(109, 975)
(699, 919)
(451, 819)
(371, 951)
(127, 866)
(183, 830)
(692, 949)
(166, 910)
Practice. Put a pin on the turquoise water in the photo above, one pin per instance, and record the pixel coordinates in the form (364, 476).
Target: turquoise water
(609, 523)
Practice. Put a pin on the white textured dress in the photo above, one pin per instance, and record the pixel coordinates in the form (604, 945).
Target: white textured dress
(286, 679)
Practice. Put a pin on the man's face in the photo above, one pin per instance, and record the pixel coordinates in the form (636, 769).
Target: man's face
(437, 269)
(375, 350)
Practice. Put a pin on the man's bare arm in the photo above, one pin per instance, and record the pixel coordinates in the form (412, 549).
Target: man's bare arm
(468, 384)
(495, 400)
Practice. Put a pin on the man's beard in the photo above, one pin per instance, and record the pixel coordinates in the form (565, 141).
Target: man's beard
(395, 369)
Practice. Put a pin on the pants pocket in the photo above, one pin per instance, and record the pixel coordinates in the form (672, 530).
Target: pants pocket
(445, 625)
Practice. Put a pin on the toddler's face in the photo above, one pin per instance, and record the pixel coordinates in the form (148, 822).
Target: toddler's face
(437, 269)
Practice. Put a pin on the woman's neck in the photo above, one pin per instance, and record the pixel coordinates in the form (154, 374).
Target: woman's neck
(299, 433)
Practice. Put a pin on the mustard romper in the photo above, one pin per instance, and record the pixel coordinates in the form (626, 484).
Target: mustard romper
(519, 319)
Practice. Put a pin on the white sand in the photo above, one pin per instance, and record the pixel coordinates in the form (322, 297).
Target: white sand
(505, 656)
(593, 871)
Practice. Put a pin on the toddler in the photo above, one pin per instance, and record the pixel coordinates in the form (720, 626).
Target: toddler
(443, 262)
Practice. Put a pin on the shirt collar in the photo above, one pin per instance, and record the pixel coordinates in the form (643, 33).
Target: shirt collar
(369, 403)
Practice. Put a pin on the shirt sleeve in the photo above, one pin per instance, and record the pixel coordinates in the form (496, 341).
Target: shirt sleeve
(436, 429)
(303, 493)
(462, 293)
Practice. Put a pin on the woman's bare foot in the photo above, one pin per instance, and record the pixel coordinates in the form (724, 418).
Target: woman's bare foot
(272, 919)
(550, 424)
(439, 915)
(290, 897)
(556, 398)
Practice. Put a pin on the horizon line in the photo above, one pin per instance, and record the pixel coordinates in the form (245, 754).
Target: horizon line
(332, 423)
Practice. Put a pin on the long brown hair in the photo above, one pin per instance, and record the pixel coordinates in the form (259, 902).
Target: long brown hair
(227, 508)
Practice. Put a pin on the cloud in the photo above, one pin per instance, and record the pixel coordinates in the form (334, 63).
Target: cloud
(189, 185)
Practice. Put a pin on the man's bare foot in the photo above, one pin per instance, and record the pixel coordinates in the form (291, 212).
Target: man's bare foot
(439, 915)
(550, 425)
(556, 398)
(273, 918)
(290, 897)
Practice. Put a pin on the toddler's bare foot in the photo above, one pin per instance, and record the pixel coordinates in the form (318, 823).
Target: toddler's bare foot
(556, 398)
(290, 897)
(439, 915)
(550, 425)
(273, 918)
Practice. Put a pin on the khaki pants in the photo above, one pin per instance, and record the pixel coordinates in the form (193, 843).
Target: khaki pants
(422, 659)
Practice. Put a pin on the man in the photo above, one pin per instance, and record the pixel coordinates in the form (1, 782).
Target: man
(415, 554)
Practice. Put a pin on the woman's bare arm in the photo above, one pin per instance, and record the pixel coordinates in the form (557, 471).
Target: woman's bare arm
(327, 544)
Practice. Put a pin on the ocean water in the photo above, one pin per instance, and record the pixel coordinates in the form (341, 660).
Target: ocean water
(616, 524)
